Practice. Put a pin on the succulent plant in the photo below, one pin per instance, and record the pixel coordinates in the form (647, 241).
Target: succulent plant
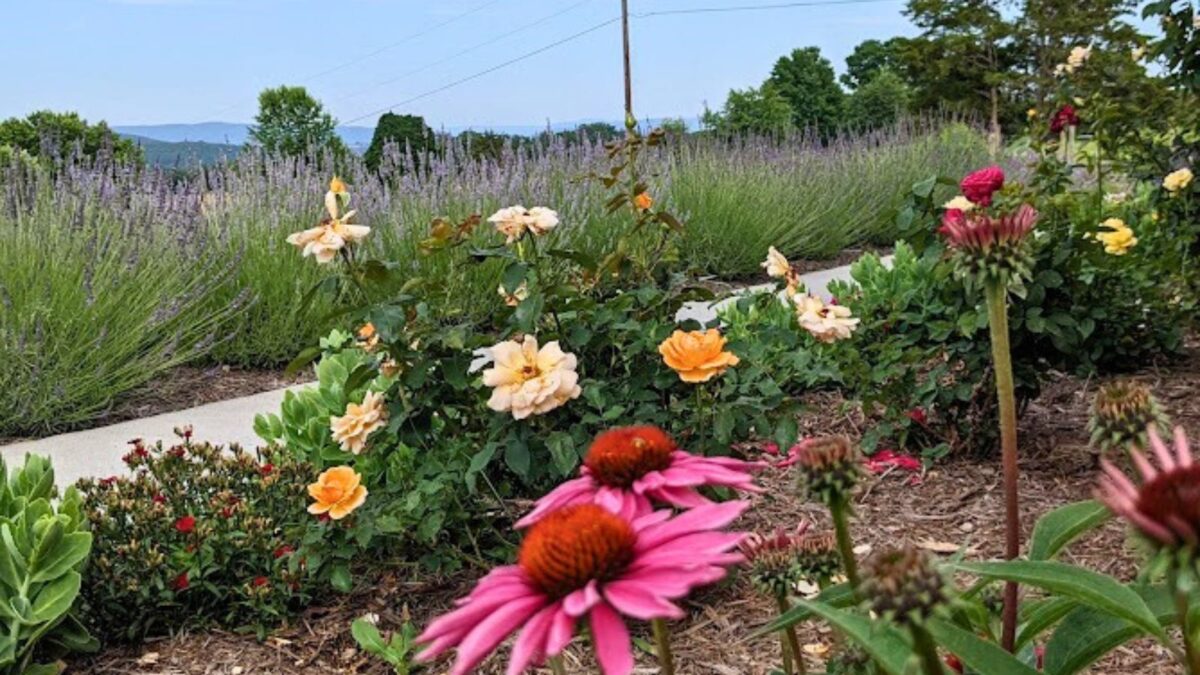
(44, 548)
(1121, 413)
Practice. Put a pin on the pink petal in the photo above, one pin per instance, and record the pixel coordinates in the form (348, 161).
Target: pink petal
(611, 639)
(492, 630)
(637, 600)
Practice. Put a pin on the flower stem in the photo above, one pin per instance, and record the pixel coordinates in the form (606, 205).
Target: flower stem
(927, 651)
(662, 642)
(790, 642)
(556, 665)
(997, 302)
(841, 528)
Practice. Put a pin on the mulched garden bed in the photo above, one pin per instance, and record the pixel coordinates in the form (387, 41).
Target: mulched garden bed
(957, 502)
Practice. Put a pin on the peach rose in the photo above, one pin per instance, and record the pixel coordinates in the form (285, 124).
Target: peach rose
(352, 429)
(698, 356)
(338, 491)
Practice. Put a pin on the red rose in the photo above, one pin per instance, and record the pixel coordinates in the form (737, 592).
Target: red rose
(979, 186)
(181, 582)
(259, 582)
(185, 524)
(1065, 117)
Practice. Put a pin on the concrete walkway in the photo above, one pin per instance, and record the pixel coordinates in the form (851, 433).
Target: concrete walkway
(97, 452)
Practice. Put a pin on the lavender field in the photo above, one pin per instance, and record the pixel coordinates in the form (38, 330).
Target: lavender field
(111, 275)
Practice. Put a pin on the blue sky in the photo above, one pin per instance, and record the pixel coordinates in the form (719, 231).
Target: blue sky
(159, 61)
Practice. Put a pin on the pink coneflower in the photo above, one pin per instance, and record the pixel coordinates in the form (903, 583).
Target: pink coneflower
(1166, 507)
(584, 561)
(983, 233)
(627, 467)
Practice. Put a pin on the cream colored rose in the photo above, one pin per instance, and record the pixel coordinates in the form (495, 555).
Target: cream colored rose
(959, 203)
(530, 381)
(776, 265)
(333, 233)
(827, 323)
(513, 221)
(352, 429)
(1177, 180)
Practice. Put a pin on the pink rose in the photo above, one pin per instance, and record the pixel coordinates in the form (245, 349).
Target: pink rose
(979, 186)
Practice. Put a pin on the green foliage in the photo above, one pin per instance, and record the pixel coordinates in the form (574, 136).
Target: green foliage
(45, 547)
(291, 122)
(61, 133)
(396, 652)
(408, 133)
(761, 110)
(198, 535)
(879, 102)
(806, 81)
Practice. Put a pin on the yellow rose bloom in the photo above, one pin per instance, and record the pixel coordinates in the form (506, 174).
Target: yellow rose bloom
(697, 356)
(352, 429)
(1119, 237)
(338, 491)
(1177, 180)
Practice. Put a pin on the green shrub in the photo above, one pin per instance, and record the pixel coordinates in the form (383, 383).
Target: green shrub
(45, 548)
(198, 535)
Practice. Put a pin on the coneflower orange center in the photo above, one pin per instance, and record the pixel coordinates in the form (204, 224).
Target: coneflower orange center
(620, 456)
(1172, 499)
(575, 545)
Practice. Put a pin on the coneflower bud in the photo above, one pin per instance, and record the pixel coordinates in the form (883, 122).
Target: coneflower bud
(1121, 413)
(829, 468)
(902, 585)
(988, 248)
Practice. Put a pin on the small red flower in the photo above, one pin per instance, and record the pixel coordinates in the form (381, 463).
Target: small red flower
(259, 582)
(185, 524)
(283, 550)
(979, 186)
(918, 415)
(181, 582)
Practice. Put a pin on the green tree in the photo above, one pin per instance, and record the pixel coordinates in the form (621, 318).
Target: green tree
(761, 110)
(868, 58)
(64, 132)
(291, 122)
(806, 81)
(409, 133)
(879, 102)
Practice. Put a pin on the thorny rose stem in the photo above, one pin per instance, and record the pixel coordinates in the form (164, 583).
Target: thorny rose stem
(997, 302)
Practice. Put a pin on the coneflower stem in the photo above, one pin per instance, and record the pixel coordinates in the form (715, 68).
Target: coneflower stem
(927, 651)
(997, 302)
(841, 527)
(556, 665)
(662, 642)
(791, 643)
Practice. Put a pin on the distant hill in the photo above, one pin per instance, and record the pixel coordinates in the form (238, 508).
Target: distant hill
(183, 153)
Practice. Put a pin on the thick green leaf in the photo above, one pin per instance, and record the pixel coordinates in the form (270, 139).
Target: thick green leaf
(55, 598)
(881, 642)
(1063, 525)
(70, 551)
(1085, 634)
(981, 655)
(1090, 588)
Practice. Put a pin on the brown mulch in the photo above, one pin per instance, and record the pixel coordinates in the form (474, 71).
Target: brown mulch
(958, 501)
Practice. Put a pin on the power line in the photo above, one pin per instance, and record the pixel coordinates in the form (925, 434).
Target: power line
(463, 52)
(481, 73)
(596, 27)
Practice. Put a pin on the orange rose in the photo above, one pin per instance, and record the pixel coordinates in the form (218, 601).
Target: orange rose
(643, 201)
(338, 491)
(697, 356)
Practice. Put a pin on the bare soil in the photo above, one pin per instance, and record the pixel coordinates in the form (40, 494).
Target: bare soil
(956, 502)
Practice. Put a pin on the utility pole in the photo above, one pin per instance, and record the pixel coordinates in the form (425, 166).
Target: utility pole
(628, 78)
